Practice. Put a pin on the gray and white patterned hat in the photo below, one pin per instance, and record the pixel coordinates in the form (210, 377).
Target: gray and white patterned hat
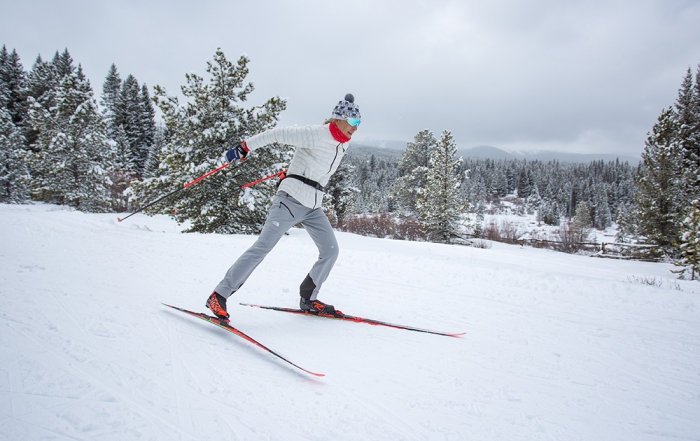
(346, 108)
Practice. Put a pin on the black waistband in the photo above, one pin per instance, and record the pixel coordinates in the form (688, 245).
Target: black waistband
(306, 181)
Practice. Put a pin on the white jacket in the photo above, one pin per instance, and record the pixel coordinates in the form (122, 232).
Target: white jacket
(317, 157)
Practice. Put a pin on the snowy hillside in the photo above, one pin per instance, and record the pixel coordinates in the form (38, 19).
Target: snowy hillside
(557, 346)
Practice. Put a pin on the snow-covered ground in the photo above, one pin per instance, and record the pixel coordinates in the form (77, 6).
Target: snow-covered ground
(557, 346)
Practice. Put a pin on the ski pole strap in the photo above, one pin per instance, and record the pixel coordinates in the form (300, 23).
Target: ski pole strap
(306, 181)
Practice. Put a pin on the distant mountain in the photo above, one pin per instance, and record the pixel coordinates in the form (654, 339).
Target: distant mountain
(489, 152)
(390, 144)
(380, 152)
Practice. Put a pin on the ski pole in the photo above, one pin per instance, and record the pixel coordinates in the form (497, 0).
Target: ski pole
(280, 174)
(189, 184)
(250, 184)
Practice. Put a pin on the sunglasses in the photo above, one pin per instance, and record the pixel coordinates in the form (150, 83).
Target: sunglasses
(353, 122)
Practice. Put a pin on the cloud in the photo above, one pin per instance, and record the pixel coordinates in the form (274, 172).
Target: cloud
(574, 76)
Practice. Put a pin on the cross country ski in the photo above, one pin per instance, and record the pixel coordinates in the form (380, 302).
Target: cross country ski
(222, 324)
(350, 318)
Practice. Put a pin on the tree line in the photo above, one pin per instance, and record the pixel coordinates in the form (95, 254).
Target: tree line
(655, 202)
(58, 145)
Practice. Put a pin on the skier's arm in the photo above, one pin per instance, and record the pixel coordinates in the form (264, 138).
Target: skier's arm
(298, 136)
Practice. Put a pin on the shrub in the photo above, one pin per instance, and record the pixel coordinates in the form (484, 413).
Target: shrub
(384, 225)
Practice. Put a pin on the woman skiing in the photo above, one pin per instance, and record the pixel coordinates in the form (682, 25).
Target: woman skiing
(319, 150)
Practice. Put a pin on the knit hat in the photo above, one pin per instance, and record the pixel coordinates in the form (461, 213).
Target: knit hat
(346, 109)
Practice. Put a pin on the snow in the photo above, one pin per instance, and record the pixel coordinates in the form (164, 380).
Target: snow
(558, 346)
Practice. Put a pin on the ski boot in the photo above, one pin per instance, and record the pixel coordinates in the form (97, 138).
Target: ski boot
(217, 304)
(317, 307)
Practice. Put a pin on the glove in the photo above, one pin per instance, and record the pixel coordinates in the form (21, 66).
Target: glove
(236, 154)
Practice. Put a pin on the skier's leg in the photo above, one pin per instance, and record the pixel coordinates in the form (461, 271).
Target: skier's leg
(319, 228)
(280, 217)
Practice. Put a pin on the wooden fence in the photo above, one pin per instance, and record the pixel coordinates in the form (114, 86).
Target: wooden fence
(607, 250)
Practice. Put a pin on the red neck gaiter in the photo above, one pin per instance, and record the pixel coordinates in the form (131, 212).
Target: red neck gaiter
(337, 134)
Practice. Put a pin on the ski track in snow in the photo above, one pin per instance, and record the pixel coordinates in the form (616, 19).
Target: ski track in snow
(557, 347)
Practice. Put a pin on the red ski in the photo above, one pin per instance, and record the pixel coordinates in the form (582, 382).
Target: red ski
(222, 324)
(340, 316)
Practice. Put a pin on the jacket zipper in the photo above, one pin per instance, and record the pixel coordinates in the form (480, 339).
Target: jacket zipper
(336, 157)
(329, 170)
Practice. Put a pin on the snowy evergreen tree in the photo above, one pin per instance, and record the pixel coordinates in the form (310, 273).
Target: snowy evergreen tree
(438, 204)
(602, 217)
(211, 122)
(413, 168)
(42, 85)
(129, 115)
(71, 155)
(548, 212)
(147, 124)
(13, 79)
(524, 183)
(626, 224)
(689, 243)
(480, 211)
(14, 176)
(110, 95)
(687, 113)
(660, 197)
(123, 155)
(129, 111)
(372, 180)
(160, 140)
(582, 218)
(534, 200)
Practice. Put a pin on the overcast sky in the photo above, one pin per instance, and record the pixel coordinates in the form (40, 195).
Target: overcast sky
(587, 76)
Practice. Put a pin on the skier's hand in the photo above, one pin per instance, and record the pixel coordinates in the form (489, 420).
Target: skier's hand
(236, 154)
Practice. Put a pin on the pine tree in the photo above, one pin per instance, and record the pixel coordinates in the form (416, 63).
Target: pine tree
(689, 243)
(160, 140)
(71, 155)
(14, 79)
(13, 173)
(660, 196)
(147, 125)
(129, 115)
(438, 204)
(14, 176)
(63, 64)
(42, 84)
(210, 123)
(548, 213)
(534, 200)
(626, 223)
(524, 183)
(110, 94)
(582, 218)
(413, 168)
(123, 155)
(129, 111)
(687, 115)
(602, 217)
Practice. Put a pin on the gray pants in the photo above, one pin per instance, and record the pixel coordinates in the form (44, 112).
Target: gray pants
(284, 213)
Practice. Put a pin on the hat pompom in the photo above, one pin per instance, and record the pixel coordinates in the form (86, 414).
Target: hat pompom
(350, 98)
